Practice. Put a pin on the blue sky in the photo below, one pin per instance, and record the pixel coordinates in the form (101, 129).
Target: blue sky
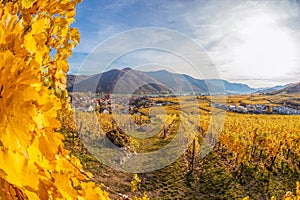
(252, 42)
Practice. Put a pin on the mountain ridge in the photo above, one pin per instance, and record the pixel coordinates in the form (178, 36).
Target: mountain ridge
(290, 89)
(153, 82)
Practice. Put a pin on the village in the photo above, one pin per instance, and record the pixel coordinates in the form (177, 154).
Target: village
(130, 105)
(257, 109)
(108, 104)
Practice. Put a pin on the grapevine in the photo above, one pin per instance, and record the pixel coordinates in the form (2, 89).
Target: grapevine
(35, 41)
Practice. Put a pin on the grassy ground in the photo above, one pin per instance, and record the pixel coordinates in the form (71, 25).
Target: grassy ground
(214, 177)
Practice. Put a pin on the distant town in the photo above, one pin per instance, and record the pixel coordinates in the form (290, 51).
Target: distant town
(106, 104)
(257, 109)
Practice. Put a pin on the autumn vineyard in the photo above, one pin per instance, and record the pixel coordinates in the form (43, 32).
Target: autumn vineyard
(48, 147)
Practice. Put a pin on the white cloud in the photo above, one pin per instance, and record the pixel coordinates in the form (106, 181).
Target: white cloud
(227, 30)
(251, 40)
(151, 45)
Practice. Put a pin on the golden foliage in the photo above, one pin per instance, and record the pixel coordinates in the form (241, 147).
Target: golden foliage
(135, 183)
(33, 162)
(144, 197)
(271, 134)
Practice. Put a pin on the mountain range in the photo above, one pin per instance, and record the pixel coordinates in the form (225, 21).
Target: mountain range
(132, 81)
(271, 89)
(289, 89)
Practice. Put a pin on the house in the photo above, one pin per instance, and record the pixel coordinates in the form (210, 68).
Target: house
(242, 109)
(251, 108)
(243, 104)
(90, 109)
(80, 109)
(232, 107)
(105, 111)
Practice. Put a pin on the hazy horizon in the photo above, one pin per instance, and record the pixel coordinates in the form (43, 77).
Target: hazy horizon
(122, 68)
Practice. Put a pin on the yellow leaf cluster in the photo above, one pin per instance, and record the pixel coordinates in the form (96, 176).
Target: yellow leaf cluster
(135, 183)
(33, 162)
(144, 197)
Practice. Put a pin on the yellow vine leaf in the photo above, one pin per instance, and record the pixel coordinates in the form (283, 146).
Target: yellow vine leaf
(33, 161)
(30, 43)
(27, 3)
(40, 25)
